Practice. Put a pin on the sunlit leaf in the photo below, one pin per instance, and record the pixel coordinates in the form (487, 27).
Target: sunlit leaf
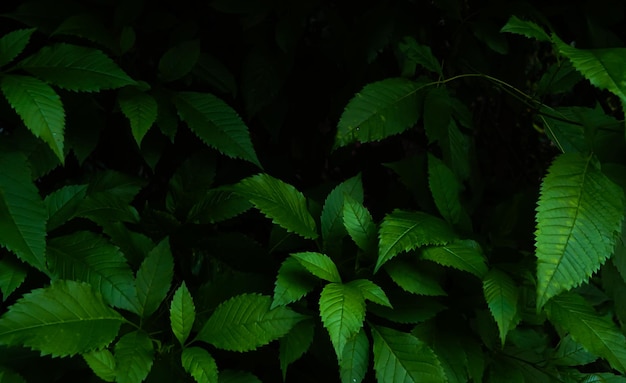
(359, 223)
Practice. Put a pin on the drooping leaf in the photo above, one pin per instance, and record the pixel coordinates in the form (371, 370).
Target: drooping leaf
(76, 68)
(246, 322)
(134, 355)
(154, 278)
(359, 223)
(13, 43)
(292, 283)
(295, 344)
(23, 223)
(355, 359)
(371, 291)
(578, 215)
(182, 313)
(102, 363)
(501, 295)
(218, 205)
(140, 108)
(199, 364)
(401, 357)
(332, 212)
(39, 106)
(342, 308)
(216, 124)
(419, 54)
(63, 203)
(403, 231)
(12, 275)
(572, 353)
(179, 60)
(280, 202)
(445, 188)
(63, 319)
(381, 109)
(464, 255)
(570, 313)
(411, 279)
(319, 265)
(525, 28)
(89, 257)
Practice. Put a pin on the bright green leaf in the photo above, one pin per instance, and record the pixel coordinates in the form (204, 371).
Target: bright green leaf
(154, 278)
(140, 108)
(13, 43)
(179, 60)
(295, 344)
(525, 28)
(411, 279)
(501, 296)
(332, 212)
(371, 292)
(12, 275)
(319, 265)
(445, 188)
(464, 255)
(199, 364)
(134, 355)
(354, 362)
(359, 223)
(292, 283)
(182, 313)
(102, 363)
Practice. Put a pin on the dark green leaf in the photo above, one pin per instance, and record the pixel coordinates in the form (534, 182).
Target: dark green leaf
(102, 363)
(217, 206)
(134, 354)
(354, 362)
(525, 28)
(140, 108)
(292, 283)
(332, 212)
(63, 203)
(371, 292)
(179, 60)
(465, 255)
(295, 344)
(445, 188)
(13, 43)
(359, 223)
(12, 275)
(199, 364)
(501, 296)
(182, 313)
(411, 279)
(572, 353)
(154, 278)
(419, 54)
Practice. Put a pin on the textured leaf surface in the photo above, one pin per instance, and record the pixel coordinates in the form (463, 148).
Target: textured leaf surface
(141, 109)
(354, 362)
(465, 255)
(63, 203)
(218, 205)
(76, 68)
(572, 314)
(501, 295)
(63, 319)
(246, 322)
(403, 231)
(292, 283)
(199, 364)
(342, 308)
(182, 313)
(401, 357)
(154, 278)
(371, 291)
(102, 363)
(319, 265)
(332, 212)
(578, 215)
(280, 202)
(23, 222)
(359, 223)
(420, 54)
(525, 28)
(216, 124)
(295, 344)
(39, 106)
(13, 43)
(134, 355)
(88, 257)
(411, 279)
(572, 353)
(445, 189)
(381, 109)
(12, 275)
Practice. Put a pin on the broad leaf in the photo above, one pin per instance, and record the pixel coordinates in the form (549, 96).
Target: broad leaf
(246, 322)
(572, 353)
(359, 223)
(354, 362)
(501, 296)
(403, 231)
(401, 357)
(292, 283)
(63, 319)
(134, 355)
(76, 68)
(445, 188)
(319, 265)
(280, 202)
(182, 313)
(12, 275)
(464, 255)
(140, 108)
(216, 124)
(332, 212)
(13, 43)
(379, 110)
(579, 214)
(295, 344)
(23, 223)
(62, 204)
(419, 54)
(572, 314)
(102, 363)
(411, 279)
(525, 28)
(39, 106)
(199, 364)
(179, 60)
(342, 308)
(218, 205)
(154, 278)
(371, 292)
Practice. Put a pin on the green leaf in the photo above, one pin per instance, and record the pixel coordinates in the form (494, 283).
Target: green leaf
(380, 110)
(199, 364)
(102, 363)
(570, 313)
(464, 255)
(88, 257)
(63, 203)
(403, 231)
(401, 357)
(411, 279)
(437, 114)
(359, 223)
(216, 124)
(408, 309)
(603, 377)
(179, 60)
(342, 308)
(140, 108)
(371, 291)
(182, 313)
(246, 322)
(63, 319)
(295, 344)
(76, 68)
(12, 275)
(319, 265)
(332, 212)
(211, 71)
(525, 28)
(39, 106)
(154, 278)
(572, 353)
(8, 376)
(419, 54)
(13, 43)
(232, 376)
(292, 283)
(445, 188)
(456, 151)
(134, 355)
(354, 362)
(501, 296)
(579, 214)
(218, 205)
(88, 26)
(23, 223)
(280, 202)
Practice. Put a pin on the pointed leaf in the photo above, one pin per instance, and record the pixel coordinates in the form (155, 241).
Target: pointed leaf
(411, 279)
(292, 283)
(403, 231)
(12, 275)
(216, 124)
(246, 322)
(134, 355)
(355, 359)
(501, 296)
(141, 109)
(23, 222)
(199, 364)
(182, 313)
(359, 223)
(420, 54)
(371, 291)
(39, 106)
(154, 278)
(62, 204)
(63, 319)
(465, 255)
(579, 214)
(280, 202)
(319, 265)
(445, 188)
(525, 28)
(179, 60)
(332, 212)
(13, 43)
(342, 308)
(76, 68)
(102, 363)
(572, 353)
(295, 344)
(232, 376)
(218, 205)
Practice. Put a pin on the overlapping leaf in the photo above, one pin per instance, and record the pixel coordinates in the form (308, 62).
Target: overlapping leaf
(354, 362)
(295, 344)
(218, 205)
(319, 265)
(140, 108)
(154, 278)
(359, 224)
(465, 255)
(525, 28)
(501, 295)
(134, 355)
(12, 275)
(102, 363)
(410, 278)
(63, 203)
(199, 364)
(292, 283)
(445, 189)
(13, 43)
(182, 313)
(332, 212)
(371, 291)
(179, 60)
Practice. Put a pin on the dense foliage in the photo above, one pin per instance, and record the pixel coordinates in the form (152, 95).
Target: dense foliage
(245, 191)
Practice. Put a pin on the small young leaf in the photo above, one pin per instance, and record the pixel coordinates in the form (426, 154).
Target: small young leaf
(63, 203)
(525, 28)
(279, 201)
(371, 292)
(246, 322)
(182, 313)
(445, 188)
(140, 108)
(102, 363)
(501, 296)
(464, 255)
(154, 278)
(411, 279)
(63, 319)
(319, 265)
(13, 43)
(199, 364)
(12, 275)
(134, 355)
(179, 60)
(355, 359)
(292, 283)
(359, 223)
(295, 344)
(332, 212)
